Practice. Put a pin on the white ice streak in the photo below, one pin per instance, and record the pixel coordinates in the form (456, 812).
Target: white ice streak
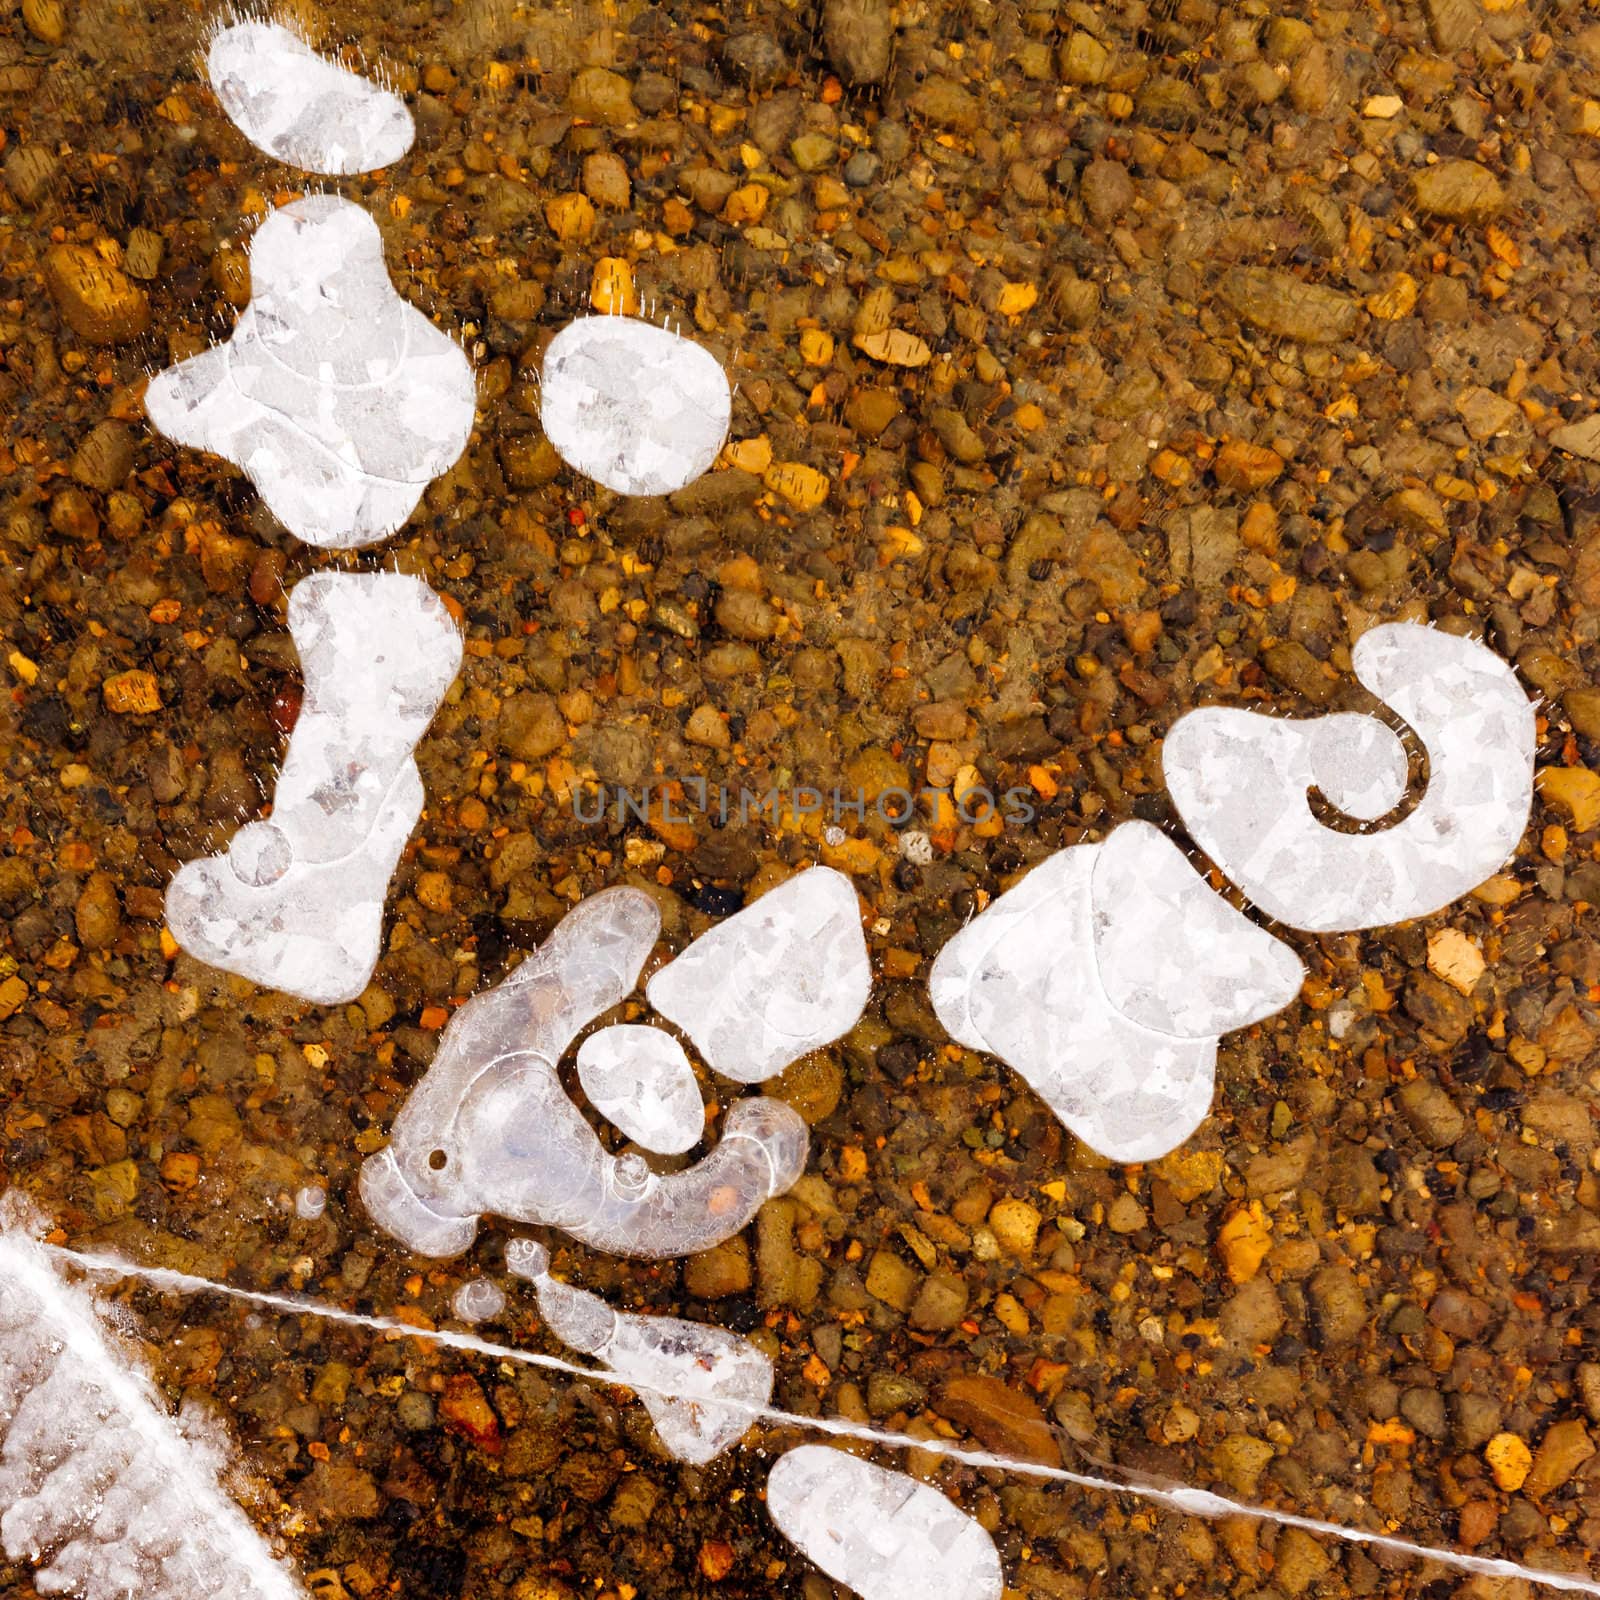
(633, 406)
(1240, 781)
(881, 1533)
(1105, 978)
(683, 1368)
(787, 975)
(302, 108)
(340, 401)
(98, 1483)
(640, 1080)
(296, 903)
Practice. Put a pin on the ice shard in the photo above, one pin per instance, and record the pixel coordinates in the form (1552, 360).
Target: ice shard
(296, 902)
(1241, 782)
(632, 406)
(884, 1534)
(340, 401)
(787, 975)
(302, 108)
(684, 1368)
(640, 1080)
(1105, 978)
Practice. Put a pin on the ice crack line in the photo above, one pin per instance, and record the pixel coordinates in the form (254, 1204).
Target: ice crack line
(1174, 1497)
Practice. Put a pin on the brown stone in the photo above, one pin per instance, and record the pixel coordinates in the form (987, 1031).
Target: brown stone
(1004, 1419)
(98, 301)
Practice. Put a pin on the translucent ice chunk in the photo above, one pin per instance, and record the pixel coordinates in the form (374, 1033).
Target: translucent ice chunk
(881, 1533)
(302, 108)
(694, 1364)
(296, 903)
(640, 1080)
(477, 1300)
(786, 975)
(1240, 781)
(340, 401)
(1106, 978)
(490, 1128)
(633, 406)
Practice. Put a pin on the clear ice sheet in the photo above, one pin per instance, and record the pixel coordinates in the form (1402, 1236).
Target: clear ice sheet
(639, 1079)
(785, 976)
(100, 1486)
(340, 401)
(296, 902)
(883, 1534)
(490, 1128)
(697, 1364)
(1239, 780)
(1105, 978)
(633, 406)
(302, 108)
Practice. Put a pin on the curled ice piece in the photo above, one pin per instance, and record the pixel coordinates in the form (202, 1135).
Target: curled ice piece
(477, 1300)
(299, 107)
(1106, 978)
(881, 1533)
(684, 1368)
(633, 406)
(1240, 781)
(296, 903)
(340, 401)
(640, 1080)
(787, 975)
(490, 1128)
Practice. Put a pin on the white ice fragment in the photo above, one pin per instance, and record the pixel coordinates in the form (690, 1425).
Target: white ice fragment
(340, 401)
(310, 1202)
(881, 1533)
(477, 1300)
(1240, 781)
(684, 1368)
(640, 1080)
(633, 406)
(97, 1482)
(787, 975)
(1106, 978)
(296, 903)
(302, 108)
(490, 1128)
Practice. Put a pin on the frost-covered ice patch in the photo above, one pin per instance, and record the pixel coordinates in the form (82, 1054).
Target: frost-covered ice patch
(640, 1080)
(684, 1368)
(490, 1128)
(787, 975)
(302, 108)
(633, 406)
(881, 1533)
(340, 401)
(1105, 978)
(1240, 781)
(296, 903)
(99, 1485)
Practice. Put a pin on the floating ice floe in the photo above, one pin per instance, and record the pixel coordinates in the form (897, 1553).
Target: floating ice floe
(881, 1533)
(636, 408)
(302, 108)
(1240, 781)
(696, 1365)
(340, 401)
(640, 1080)
(99, 1486)
(296, 903)
(490, 1127)
(1105, 978)
(787, 975)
